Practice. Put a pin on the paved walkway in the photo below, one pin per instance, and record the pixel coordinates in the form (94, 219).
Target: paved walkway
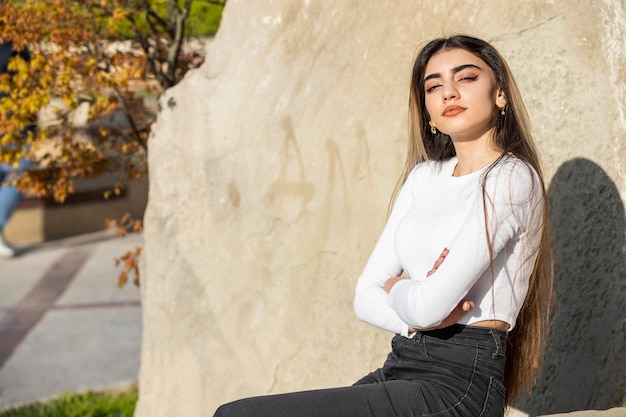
(64, 324)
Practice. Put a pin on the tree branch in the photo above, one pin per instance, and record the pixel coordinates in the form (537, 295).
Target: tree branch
(131, 121)
(176, 44)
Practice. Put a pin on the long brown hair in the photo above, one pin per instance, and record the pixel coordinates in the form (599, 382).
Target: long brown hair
(512, 134)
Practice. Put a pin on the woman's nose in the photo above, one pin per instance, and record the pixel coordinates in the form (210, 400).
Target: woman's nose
(449, 92)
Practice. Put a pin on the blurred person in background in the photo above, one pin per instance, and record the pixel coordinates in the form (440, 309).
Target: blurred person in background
(9, 194)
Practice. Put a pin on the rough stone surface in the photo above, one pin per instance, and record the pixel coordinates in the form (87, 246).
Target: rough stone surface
(613, 412)
(271, 168)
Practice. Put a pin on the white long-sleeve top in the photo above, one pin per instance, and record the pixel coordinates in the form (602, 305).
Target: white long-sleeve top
(435, 210)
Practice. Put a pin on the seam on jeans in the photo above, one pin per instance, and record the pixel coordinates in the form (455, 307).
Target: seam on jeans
(469, 386)
(381, 375)
(498, 344)
(482, 413)
(389, 401)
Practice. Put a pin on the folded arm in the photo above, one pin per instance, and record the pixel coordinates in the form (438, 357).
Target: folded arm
(511, 194)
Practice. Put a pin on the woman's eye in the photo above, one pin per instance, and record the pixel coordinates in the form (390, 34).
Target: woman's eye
(469, 78)
(431, 88)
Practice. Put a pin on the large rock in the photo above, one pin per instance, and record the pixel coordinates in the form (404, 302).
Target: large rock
(613, 412)
(271, 169)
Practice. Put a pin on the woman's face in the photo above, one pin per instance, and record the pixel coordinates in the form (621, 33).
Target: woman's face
(461, 95)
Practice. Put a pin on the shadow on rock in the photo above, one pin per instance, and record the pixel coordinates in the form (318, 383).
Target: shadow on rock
(585, 363)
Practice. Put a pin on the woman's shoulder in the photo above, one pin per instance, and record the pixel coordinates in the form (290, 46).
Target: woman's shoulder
(515, 169)
(514, 176)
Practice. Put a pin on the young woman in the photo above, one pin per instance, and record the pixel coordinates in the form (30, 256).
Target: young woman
(462, 272)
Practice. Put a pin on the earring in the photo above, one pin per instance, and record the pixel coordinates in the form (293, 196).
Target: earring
(502, 110)
(433, 129)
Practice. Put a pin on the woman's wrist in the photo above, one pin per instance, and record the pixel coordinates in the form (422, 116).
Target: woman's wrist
(391, 282)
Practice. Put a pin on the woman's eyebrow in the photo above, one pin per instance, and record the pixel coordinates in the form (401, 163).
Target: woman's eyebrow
(454, 71)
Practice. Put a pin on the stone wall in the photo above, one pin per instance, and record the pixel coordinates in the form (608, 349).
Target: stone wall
(271, 168)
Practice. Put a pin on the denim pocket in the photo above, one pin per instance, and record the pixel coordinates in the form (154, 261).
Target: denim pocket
(450, 355)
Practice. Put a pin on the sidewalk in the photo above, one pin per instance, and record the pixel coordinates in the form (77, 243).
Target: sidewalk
(64, 324)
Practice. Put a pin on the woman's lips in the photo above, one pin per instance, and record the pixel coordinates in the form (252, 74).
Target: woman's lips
(452, 110)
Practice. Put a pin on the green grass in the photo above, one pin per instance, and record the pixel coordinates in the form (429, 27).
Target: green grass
(203, 20)
(90, 404)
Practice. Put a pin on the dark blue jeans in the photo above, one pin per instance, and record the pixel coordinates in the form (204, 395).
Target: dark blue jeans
(456, 371)
(9, 195)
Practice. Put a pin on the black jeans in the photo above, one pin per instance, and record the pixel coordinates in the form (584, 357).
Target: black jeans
(456, 371)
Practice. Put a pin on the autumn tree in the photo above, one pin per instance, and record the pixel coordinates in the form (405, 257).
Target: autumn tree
(98, 58)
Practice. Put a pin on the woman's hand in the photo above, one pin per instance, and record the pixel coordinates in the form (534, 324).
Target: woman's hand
(391, 282)
(438, 262)
(463, 308)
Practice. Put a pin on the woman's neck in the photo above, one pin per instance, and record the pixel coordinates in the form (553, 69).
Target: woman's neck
(474, 155)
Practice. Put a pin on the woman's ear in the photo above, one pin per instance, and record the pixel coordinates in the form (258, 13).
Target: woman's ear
(501, 100)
